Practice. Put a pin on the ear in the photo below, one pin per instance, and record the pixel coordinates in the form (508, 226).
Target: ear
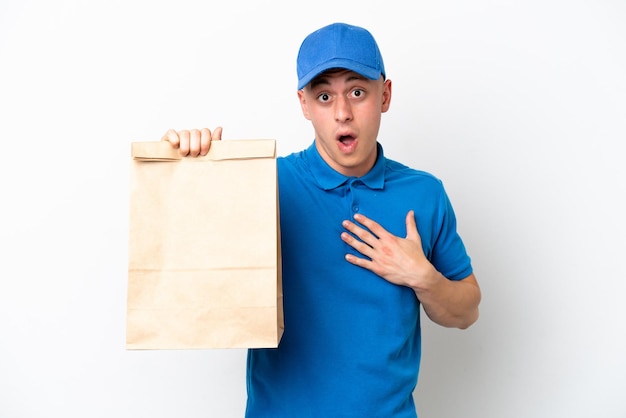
(303, 104)
(386, 96)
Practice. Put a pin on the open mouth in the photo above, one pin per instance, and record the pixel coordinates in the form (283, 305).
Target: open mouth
(347, 143)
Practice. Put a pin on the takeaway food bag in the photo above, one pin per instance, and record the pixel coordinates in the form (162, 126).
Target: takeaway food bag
(204, 268)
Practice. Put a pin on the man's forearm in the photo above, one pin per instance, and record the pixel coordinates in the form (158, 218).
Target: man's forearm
(451, 303)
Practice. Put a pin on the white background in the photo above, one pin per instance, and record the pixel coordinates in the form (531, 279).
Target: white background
(519, 106)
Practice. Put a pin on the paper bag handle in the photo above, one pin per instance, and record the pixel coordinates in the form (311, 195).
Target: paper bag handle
(220, 150)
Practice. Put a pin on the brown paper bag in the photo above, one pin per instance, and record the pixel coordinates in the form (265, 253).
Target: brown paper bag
(204, 254)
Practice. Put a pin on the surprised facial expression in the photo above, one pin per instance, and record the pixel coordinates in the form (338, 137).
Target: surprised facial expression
(345, 109)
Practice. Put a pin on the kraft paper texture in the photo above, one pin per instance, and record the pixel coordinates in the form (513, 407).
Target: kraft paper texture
(204, 268)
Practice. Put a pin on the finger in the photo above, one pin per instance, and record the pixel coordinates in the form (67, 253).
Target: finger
(194, 142)
(357, 261)
(370, 224)
(358, 245)
(206, 136)
(411, 227)
(205, 141)
(366, 243)
(171, 136)
(184, 143)
(217, 134)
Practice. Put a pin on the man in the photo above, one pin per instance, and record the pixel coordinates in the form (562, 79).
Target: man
(365, 241)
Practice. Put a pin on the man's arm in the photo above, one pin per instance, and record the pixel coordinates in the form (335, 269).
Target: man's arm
(451, 303)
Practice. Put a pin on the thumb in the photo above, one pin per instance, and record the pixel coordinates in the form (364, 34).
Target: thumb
(411, 227)
(216, 135)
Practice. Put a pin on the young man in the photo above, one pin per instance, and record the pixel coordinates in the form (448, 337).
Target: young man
(365, 241)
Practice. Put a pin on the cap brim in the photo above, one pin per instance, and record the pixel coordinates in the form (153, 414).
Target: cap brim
(365, 71)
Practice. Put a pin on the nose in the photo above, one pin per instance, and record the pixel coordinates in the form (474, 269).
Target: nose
(343, 109)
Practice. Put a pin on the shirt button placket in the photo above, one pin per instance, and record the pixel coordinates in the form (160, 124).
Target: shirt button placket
(354, 185)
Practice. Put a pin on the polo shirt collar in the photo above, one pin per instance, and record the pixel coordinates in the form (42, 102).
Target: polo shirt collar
(328, 178)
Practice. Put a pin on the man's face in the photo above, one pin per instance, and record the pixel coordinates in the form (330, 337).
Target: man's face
(345, 109)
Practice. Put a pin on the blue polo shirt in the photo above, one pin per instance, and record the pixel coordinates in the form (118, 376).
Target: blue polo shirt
(351, 346)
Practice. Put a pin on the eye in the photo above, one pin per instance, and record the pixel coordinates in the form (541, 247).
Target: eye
(357, 93)
(324, 97)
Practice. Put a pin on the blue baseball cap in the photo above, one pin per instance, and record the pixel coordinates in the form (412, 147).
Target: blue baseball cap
(339, 45)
